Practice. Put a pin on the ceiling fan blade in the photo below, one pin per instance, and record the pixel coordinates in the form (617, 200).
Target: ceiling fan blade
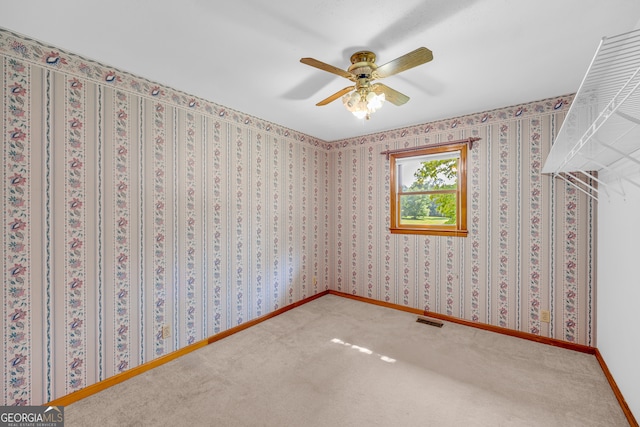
(326, 67)
(391, 95)
(336, 95)
(403, 63)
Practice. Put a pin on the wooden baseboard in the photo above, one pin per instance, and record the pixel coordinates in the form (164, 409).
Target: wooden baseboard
(616, 391)
(505, 331)
(118, 378)
(250, 323)
(525, 335)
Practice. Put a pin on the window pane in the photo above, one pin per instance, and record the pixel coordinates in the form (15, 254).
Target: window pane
(437, 209)
(427, 175)
(444, 206)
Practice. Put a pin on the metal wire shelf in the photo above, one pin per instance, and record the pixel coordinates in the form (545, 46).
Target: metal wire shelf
(602, 126)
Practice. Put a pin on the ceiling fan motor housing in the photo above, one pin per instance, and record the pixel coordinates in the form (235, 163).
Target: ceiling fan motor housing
(363, 56)
(362, 66)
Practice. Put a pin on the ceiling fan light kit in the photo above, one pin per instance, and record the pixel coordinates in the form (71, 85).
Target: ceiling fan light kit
(365, 97)
(363, 103)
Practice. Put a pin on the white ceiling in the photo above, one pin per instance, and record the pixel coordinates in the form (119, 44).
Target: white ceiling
(244, 54)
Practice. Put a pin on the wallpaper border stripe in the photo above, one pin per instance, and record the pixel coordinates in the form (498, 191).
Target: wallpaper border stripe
(141, 272)
(552, 243)
(519, 173)
(36, 52)
(48, 228)
(489, 169)
(100, 263)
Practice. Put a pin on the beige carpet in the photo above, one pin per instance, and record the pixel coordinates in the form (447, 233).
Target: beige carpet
(340, 362)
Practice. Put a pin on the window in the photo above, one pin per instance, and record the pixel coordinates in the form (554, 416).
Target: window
(429, 191)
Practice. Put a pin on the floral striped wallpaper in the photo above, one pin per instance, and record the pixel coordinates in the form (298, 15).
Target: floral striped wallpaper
(531, 243)
(129, 206)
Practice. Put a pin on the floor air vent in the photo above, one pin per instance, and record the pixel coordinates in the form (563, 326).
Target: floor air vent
(431, 322)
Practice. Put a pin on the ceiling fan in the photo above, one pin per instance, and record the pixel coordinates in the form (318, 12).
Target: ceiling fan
(365, 97)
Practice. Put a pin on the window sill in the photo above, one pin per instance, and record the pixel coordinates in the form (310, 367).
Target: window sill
(432, 232)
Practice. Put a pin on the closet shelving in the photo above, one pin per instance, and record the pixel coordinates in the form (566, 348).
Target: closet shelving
(602, 126)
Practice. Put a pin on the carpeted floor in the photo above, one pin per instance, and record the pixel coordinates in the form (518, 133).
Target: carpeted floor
(340, 362)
